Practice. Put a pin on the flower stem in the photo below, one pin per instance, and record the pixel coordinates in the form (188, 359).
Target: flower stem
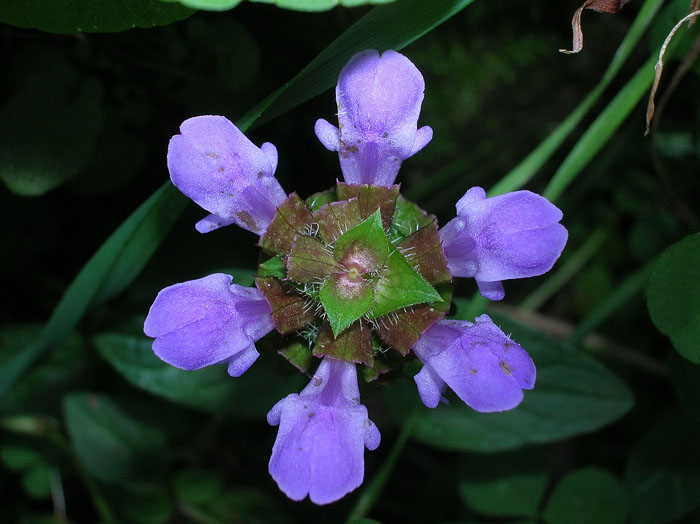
(372, 491)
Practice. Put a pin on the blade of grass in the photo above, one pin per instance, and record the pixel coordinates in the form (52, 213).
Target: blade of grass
(601, 130)
(390, 26)
(124, 254)
(631, 286)
(524, 171)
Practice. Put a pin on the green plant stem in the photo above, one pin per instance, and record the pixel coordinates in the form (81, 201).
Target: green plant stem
(374, 488)
(524, 171)
(566, 272)
(630, 287)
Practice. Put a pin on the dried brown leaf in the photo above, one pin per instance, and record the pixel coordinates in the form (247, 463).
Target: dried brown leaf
(659, 67)
(601, 6)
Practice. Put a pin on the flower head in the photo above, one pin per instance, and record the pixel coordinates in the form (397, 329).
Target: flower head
(208, 321)
(379, 100)
(319, 450)
(515, 235)
(215, 165)
(355, 275)
(485, 368)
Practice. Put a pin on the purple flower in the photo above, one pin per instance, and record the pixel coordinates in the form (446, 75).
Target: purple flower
(485, 368)
(215, 165)
(379, 99)
(208, 321)
(322, 434)
(515, 235)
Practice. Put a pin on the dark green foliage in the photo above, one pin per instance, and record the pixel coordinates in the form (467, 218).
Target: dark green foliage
(94, 428)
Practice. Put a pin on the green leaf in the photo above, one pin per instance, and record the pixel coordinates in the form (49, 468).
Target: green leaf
(274, 267)
(105, 16)
(20, 458)
(320, 199)
(364, 246)
(673, 296)
(54, 110)
(385, 27)
(345, 300)
(504, 485)
(574, 394)
(408, 218)
(207, 5)
(37, 482)
(298, 354)
(392, 26)
(663, 472)
(109, 443)
(399, 286)
(210, 389)
(587, 495)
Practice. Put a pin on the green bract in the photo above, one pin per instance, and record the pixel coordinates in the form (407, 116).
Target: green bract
(353, 272)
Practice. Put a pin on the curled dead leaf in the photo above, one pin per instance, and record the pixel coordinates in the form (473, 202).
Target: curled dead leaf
(659, 67)
(601, 6)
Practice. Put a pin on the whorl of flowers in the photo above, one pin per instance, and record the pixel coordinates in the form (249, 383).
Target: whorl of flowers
(356, 275)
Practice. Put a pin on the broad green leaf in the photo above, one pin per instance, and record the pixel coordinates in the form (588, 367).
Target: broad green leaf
(384, 27)
(506, 485)
(663, 472)
(673, 296)
(399, 285)
(56, 111)
(573, 395)
(109, 443)
(209, 389)
(587, 495)
(104, 16)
